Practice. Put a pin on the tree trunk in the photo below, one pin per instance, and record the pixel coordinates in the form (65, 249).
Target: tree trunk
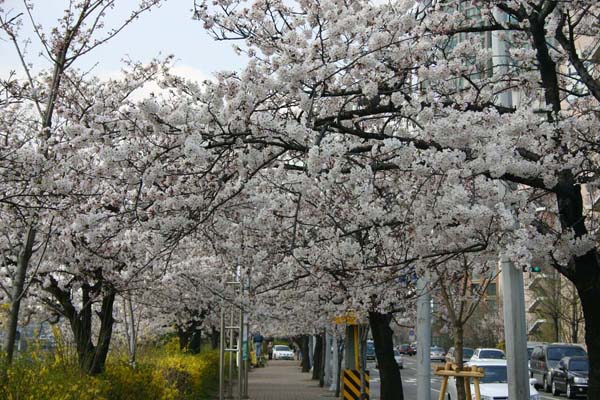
(92, 359)
(391, 383)
(132, 339)
(17, 293)
(304, 348)
(214, 338)
(318, 357)
(183, 335)
(589, 294)
(458, 356)
(195, 342)
(584, 272)
(574, 316)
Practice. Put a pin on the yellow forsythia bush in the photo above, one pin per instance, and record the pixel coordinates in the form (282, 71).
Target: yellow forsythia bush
(161, 376)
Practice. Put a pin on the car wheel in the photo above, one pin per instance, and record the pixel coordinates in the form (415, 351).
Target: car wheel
(555, 391)
(570, 393)
(546, 385)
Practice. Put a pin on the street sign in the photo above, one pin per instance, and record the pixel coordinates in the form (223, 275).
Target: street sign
(411, 335)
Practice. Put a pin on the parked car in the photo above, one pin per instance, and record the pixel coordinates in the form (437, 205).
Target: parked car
(530, 347)
(545, 358)
(406, 349)
(494, 385)
(488, 354)
(437, 353)
(571, 377)
(281, 352)
(413, 348)
(371, 350)
(467, 354)
(398, 358)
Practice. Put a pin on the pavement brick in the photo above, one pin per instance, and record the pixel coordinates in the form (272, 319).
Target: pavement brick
(283, 380)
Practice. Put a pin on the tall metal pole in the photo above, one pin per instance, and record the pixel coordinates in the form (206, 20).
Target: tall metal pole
(246, 355)
(515, 331)
(239, 354)
(335, 362)
(327, 379)
(230, 353)
(423, 340)
(222, 353)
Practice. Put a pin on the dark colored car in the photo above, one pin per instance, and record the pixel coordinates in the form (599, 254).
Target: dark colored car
(571, 377)
(545, 358)
(406, 349)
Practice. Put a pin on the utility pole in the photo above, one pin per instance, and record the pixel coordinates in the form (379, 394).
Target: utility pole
(335, 375)
(423, 340)
(515, 331)
(222, 352)
(328, 365)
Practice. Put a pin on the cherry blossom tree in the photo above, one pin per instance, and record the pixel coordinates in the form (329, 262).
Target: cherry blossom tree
(34, 128)
(411, 89)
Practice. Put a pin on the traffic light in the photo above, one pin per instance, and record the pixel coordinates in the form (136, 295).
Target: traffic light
(532, 268)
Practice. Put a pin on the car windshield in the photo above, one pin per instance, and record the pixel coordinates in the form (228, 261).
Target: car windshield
(579, 365)
(494, 374)
(467, 352)
(282, 348)
(437, 349)
(497, 354)
(556, 353)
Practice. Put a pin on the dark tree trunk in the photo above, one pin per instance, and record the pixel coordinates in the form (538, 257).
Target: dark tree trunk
(214, 338)
(92, 358)
(589, 294)
(195, 342)
(183, 335)
(318, 357)
(584, 272)
(391, 383)
(304, 348)
(190, 339)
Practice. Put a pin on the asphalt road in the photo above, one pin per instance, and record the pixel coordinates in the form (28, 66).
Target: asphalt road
(409, 382)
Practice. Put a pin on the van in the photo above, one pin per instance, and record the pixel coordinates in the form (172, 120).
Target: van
(545, 358)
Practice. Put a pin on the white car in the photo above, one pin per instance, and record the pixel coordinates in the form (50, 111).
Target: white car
(494, 384)
(281, 352)
(398, 358)
(488, 353)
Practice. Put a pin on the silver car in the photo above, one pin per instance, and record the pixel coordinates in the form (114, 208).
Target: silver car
(437, 354)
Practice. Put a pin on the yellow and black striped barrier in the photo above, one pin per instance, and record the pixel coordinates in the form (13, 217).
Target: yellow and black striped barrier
(351, 387)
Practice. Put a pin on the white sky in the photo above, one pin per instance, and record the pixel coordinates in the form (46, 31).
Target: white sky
(165, 30)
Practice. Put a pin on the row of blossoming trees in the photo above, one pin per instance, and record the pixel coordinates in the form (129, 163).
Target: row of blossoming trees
(362, 144)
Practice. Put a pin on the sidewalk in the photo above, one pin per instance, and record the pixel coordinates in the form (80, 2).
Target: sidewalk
(283, 380)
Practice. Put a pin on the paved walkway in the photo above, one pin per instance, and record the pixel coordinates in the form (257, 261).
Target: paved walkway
(283, 380)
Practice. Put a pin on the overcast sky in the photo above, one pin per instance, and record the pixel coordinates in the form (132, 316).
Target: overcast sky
(165, 30)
